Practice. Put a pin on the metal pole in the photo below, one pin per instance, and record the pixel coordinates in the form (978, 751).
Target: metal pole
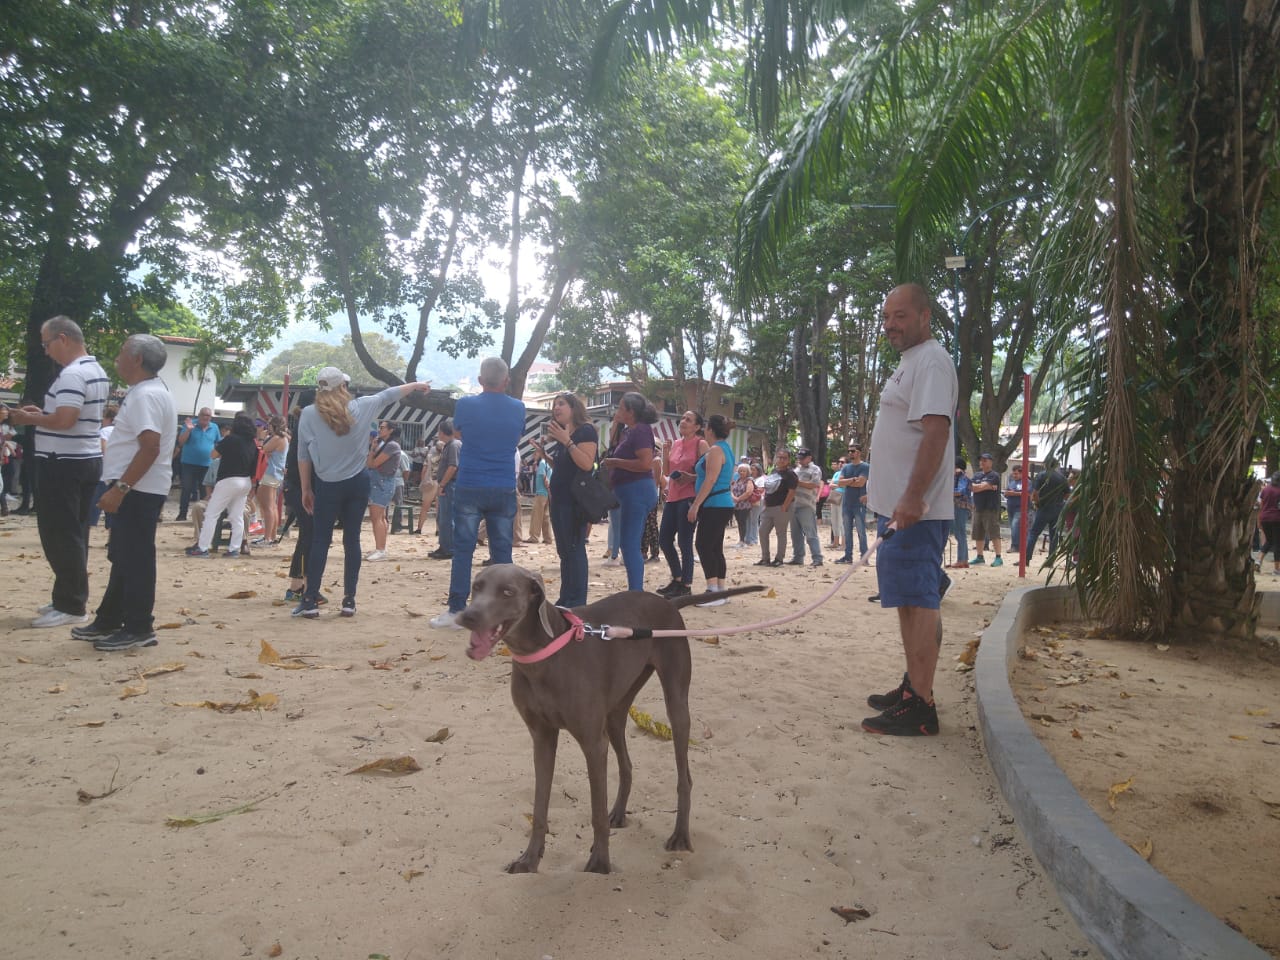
(1026, 474)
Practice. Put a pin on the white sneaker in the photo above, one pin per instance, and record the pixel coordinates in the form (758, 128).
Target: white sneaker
(613, 562)
(713, 603)
(43, 608)
(56, 618)
(445, 621)
(376, 555)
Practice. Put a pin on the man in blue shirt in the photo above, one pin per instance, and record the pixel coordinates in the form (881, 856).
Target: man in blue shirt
(491, 424)
(196, 441)
(852, 481)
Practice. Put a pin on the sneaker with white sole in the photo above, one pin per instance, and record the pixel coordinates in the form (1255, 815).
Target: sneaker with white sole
(124, 640)
(348, 607)
(375, 555)
(46, 607)
(56, 618)
(445, 621)
(92, 632)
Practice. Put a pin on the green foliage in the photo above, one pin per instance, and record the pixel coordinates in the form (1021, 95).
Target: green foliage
(305, 358)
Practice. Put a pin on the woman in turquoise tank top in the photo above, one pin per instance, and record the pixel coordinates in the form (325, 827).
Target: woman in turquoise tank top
(712, 506)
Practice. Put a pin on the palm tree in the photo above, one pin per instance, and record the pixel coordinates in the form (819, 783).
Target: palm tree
(207, 355)
(1168, 111)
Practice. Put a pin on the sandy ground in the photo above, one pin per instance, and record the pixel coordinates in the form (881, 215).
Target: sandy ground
(795, 810)
(1177, 749)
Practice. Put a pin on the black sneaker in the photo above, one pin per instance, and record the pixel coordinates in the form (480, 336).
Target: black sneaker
(946, 585)
(348, 607)
(910, 718)
(796, 563)
(883, 701)
(92, 632)
(769, 563)
(776, 563)
(307, 608)
(678, 589)
(843, 560)
(874, 598)
(124, 640)
(667, 591)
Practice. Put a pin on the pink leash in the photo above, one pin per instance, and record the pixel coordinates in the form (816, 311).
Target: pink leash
(576, 631)
(623, 633)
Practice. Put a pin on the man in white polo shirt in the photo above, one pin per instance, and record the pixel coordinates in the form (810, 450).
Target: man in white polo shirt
(138, 469)
(68, 466)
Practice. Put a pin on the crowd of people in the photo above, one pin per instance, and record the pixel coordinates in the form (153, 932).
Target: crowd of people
(676, 498)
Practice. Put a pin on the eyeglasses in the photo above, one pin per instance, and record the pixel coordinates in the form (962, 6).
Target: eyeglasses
(45, 343)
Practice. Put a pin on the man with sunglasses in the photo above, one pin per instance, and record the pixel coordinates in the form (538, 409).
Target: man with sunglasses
(852, 481)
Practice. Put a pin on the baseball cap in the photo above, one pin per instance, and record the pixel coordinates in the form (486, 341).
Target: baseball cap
(985, 456)
(804, 452)
(330, 378)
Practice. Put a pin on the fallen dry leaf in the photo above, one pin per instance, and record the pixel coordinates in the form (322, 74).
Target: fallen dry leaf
(1260, 712)
(167, 626)
(244, 676)
(1076, 734)
(438, 656)
(23, 660)
(969, 653)
(137, 691)
(1045, 718)
(256, 701)
(771, 594)
(852, 914)
(92, 723)
(267, 653)
(389, 767)
(710, 641)
(1144, 849)
(440, 736)
(275, 950)
(1237, 736)
(1116, 789)
(410, 874)
(57, 688)
(242, 595)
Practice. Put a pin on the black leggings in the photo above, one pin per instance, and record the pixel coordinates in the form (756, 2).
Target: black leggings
(1271, 530)
(709, 540)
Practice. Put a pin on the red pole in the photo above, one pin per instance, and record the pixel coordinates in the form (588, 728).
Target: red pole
(284, 412)
(1026, 474)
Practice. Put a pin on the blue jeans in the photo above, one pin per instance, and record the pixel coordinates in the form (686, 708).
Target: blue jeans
(804, 528)
(192, 486)
(854, 515)
(570, 532)
(635, 500)
(444, 516)
(1046, 519)
(1016, 527)
(676, 530)
(340, 499)
(960, 528)
(496, 506)
(615, 530)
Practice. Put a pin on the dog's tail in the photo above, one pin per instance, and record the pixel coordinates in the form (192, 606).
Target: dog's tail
(690, 599)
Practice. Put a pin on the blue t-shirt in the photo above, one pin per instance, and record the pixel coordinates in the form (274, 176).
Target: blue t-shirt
(541, 474)
(719, 495)
(851, 497)
(199, 444)
(492, 424)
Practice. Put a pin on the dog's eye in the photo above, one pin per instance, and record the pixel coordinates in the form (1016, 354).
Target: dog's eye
(508, 592)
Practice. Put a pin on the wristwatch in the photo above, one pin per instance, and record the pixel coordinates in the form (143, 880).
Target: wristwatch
(122, 486)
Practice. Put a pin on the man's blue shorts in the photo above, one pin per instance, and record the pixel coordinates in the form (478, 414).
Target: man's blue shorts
(909, 564)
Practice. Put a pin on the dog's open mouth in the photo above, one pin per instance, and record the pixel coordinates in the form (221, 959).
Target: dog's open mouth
(483, 641)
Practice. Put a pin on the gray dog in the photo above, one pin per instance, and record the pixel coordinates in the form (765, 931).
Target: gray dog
(585, 687)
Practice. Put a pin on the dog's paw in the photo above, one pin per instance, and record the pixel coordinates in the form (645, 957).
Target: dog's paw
(525, 864)
(618, 817)
(679, 841)
(596, 864)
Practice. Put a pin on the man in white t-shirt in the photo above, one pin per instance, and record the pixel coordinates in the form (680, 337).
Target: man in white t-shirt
(139, 470)
(804, 518)
(910, 489)
(68, 466)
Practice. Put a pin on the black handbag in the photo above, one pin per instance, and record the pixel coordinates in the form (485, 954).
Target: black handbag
(593, 495)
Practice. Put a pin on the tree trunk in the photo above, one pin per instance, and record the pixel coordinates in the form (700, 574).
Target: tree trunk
(1217, 396)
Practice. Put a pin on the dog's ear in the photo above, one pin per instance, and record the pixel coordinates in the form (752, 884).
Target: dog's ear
(538, 595)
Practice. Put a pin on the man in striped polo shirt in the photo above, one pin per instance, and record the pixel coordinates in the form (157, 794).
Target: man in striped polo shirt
(68, 466)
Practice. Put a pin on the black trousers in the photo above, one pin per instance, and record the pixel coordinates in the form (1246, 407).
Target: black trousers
(131, 590)
(62, 517)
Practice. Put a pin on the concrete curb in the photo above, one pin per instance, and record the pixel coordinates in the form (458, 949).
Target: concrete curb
(1128, 909)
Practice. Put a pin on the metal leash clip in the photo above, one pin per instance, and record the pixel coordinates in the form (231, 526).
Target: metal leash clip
(601, 631)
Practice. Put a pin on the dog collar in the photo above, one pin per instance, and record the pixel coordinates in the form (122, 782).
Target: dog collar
(576, 631)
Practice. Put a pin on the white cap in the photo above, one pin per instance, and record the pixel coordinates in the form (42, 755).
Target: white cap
(330, 378)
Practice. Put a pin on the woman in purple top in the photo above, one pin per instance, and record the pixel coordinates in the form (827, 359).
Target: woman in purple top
(631, 476)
